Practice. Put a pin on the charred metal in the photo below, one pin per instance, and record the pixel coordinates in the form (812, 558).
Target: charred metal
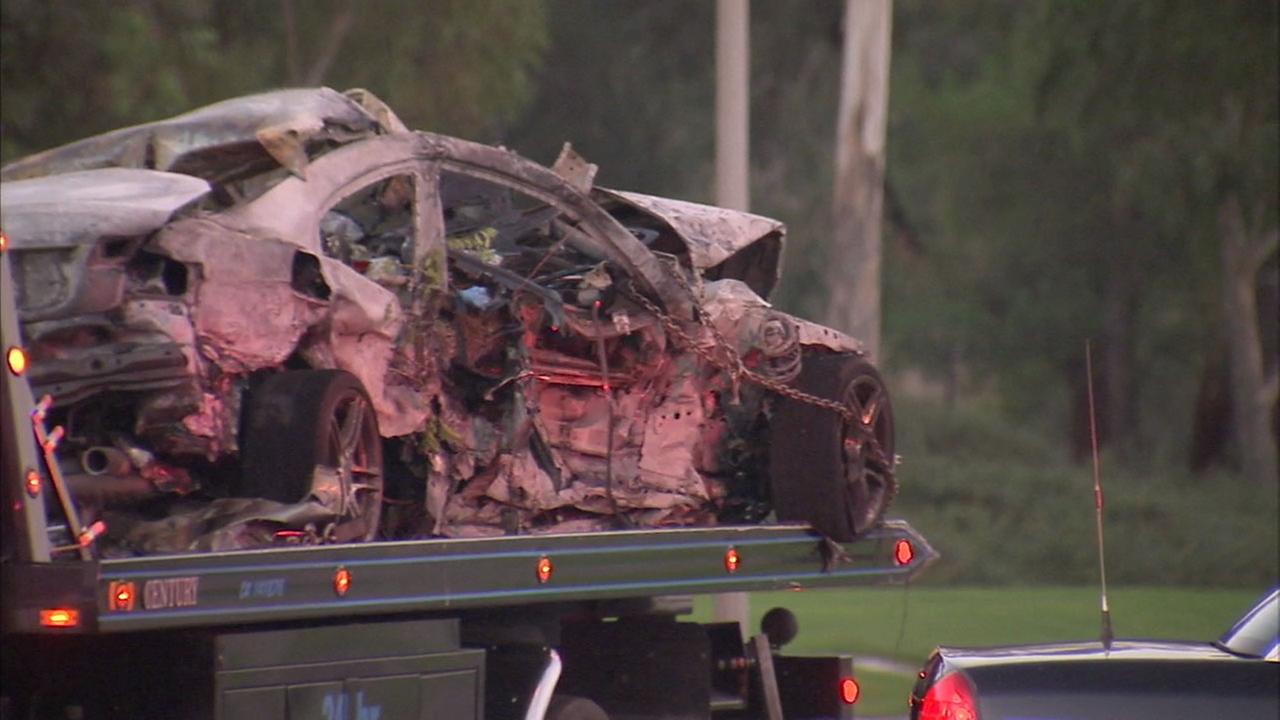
(287, 318)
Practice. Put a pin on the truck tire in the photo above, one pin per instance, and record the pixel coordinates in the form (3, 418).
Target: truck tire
(298, 420)
(837, 476)
(573, 707)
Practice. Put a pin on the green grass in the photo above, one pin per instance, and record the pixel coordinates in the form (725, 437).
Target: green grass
(906, 624)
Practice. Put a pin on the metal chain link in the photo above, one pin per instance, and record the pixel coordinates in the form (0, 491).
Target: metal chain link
(732, 363)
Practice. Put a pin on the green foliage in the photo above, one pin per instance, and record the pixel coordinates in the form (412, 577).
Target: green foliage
(630, 85)
(70, 70)
(1063, 164)
(1002, 504)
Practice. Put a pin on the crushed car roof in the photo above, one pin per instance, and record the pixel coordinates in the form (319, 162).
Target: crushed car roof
(279, 122)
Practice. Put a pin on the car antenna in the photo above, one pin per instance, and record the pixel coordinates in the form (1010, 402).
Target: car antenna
(1107, 635)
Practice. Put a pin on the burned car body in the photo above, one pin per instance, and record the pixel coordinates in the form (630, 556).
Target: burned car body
(290, 298)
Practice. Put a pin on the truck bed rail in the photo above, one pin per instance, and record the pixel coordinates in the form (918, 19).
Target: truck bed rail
(300, 583)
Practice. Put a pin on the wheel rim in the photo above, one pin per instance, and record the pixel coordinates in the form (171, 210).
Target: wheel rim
(868, 448)
(352, 447)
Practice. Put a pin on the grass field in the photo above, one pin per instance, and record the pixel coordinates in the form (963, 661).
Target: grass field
(905, 624)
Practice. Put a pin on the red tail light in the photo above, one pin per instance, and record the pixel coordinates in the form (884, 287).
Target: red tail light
(849, 690)
(59, 617)
(951, 698)
(903, 552)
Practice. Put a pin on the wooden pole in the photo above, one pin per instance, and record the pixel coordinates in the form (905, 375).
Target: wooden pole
(732, 158)
(853, 263)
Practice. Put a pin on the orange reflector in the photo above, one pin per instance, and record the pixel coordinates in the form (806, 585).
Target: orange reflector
(4, 242)
(849, 690)
(122, 595)
(341, 581)
(33, 483)
(60, 617)
(17, 359)
(732, 560)
(545, 568)
(903, 552)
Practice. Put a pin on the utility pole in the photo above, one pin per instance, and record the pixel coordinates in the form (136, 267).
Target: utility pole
(733, 66)
(853, 263)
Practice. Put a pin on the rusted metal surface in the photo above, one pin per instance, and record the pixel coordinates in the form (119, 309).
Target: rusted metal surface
(541, 355)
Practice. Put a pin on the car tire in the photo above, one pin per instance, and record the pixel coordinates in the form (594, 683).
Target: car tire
(573, 707)
(836, 476)
(297, 420)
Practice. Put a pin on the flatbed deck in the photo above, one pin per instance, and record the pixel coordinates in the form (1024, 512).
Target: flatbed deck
(300, 583)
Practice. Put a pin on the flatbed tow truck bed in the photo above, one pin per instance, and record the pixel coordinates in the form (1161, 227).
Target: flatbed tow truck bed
(301, 583)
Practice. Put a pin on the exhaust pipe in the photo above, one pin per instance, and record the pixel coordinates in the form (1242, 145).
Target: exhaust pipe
(107, 478)
(104, 460)
(107, 491)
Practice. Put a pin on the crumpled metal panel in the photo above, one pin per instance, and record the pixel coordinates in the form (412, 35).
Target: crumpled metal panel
(738, 312)
(58, 227)
(248, 316)
(80, 208)
(228, 524)
(287, 119)
(711, 233)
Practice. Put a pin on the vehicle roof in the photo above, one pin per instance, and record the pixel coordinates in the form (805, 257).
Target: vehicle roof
(196, 142)
(1144, 650)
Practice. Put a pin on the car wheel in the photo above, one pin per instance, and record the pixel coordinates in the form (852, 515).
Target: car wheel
(573, 707)
(835, 475)
(298, 420)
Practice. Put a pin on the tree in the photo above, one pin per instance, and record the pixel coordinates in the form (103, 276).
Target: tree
(1174, 89)
(70, 70)
(1066, 165)
(853, 277)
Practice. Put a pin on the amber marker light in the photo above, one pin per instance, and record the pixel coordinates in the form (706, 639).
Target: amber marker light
(341, 581)
(903, 552)
(33, 483)
(123, 595)
(732, 560)
(60, 617)
(17, 359)
(849, 690)
(4, 242)
(544, 569)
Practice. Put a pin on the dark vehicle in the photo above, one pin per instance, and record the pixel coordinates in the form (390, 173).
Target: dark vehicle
(450, 340)
(1236, 677)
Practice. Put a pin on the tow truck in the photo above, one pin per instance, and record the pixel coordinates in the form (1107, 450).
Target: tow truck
(559, 626)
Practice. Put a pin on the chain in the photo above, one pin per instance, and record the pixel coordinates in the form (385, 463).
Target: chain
(729, 360)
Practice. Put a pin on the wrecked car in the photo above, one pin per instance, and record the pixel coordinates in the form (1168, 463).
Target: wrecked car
(288, 318)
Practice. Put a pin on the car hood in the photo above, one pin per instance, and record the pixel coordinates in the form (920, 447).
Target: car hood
(78, 208)
(967, 658)
(712, 234)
